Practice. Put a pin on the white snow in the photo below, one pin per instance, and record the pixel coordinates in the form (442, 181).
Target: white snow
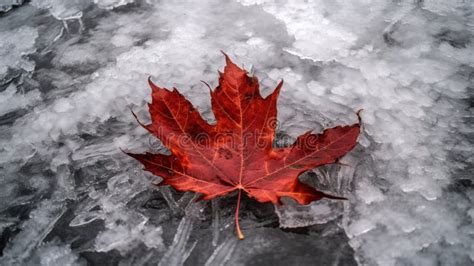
(57, 255)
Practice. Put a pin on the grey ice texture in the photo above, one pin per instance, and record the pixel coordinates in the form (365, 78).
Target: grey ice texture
(71, 70)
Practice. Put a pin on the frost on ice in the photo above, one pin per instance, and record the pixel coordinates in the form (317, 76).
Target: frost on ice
(16, 44)
(70, 71)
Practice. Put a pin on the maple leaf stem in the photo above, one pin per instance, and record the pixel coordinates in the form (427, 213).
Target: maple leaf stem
(237, 225)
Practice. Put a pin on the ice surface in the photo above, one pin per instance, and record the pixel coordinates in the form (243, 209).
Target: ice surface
(111, 4)
(70, 196)
(6, 5)
(57, 255)
(15, 45)
(33, 232)
(222, 253)
(10, 100)
(293, 215)
(62, 10)
(177, 254)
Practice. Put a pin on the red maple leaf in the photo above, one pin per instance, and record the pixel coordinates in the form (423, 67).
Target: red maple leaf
(237, 152)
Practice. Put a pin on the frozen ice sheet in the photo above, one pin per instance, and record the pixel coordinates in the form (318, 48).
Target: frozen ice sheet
(71, 70)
